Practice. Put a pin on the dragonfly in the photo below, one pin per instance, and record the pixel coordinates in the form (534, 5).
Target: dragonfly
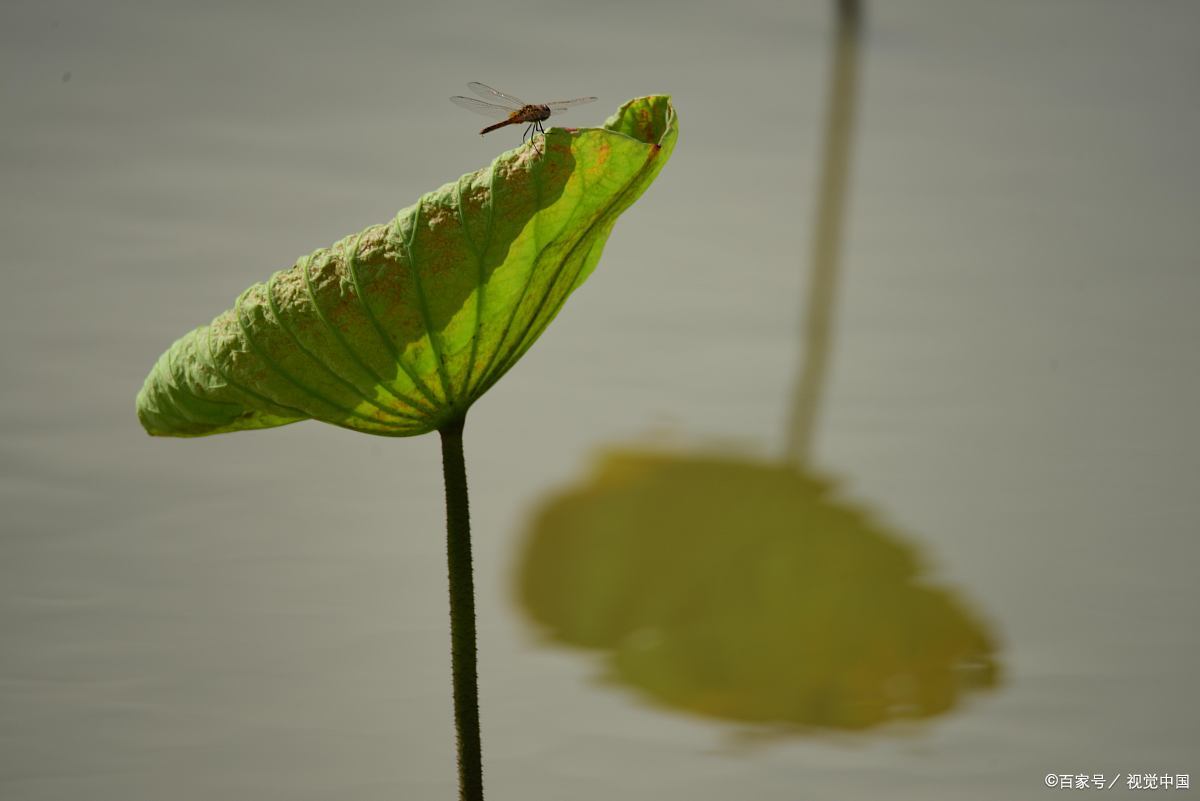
(512, 110)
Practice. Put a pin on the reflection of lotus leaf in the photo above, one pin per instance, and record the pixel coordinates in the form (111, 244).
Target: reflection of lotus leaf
(748, 592)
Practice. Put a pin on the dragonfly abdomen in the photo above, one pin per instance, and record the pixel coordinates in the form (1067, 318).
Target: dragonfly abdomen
(530, 113)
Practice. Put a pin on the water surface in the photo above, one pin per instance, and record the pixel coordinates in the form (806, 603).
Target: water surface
(1008, 401)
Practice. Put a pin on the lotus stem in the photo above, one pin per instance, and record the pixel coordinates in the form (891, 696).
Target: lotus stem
(462, 614)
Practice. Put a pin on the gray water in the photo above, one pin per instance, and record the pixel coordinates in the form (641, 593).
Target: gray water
(1009, 400)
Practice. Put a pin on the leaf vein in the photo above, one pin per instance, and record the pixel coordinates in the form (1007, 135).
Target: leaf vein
(353, 354)
(486, 380)
(307, 352)
(423, 305)
(266, 359)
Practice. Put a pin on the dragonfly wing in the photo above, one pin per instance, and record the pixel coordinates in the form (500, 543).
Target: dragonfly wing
(483, 90)
(479, 107)
(563, 105)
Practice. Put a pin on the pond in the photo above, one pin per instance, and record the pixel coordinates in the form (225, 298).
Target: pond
(832, 481)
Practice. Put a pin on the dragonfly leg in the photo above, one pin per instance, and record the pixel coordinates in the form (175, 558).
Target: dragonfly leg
(534, 127)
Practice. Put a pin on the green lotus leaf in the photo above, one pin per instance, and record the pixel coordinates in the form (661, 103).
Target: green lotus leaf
(400, 328)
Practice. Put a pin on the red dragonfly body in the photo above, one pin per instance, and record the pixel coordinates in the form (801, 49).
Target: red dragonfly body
(534, 114)
(511, 110)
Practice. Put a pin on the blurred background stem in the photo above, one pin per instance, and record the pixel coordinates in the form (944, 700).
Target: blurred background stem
(826, 240)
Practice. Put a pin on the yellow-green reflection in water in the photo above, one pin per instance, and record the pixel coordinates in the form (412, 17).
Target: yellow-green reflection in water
(749, 592)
